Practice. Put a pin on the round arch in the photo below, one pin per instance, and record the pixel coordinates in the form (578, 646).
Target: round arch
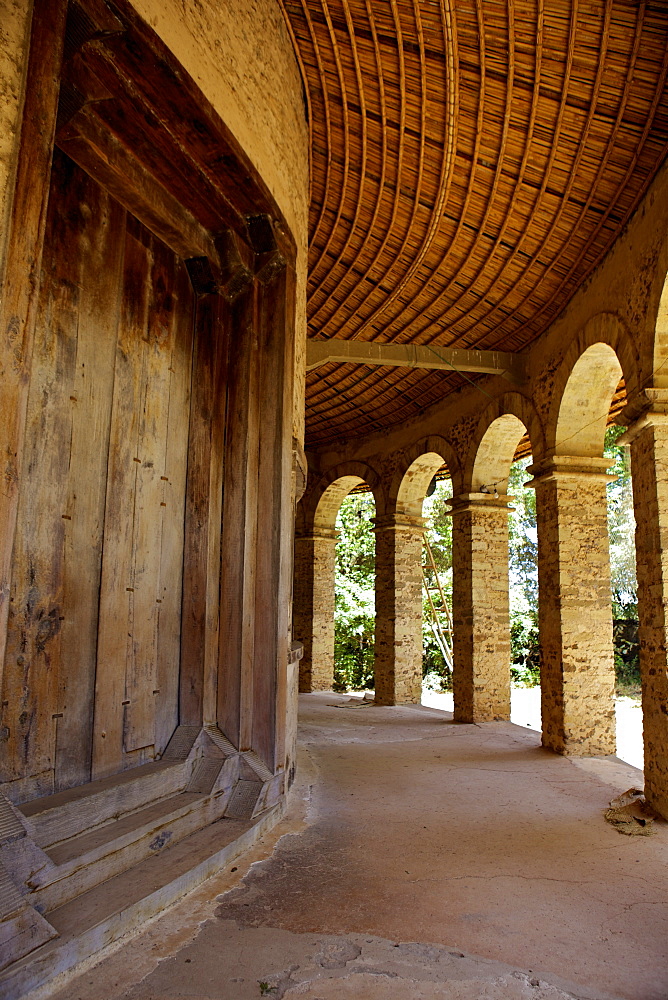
(496, 452)
(415, 470)
(584, 384)
(500, 429)
(320, 504)
(585, 402)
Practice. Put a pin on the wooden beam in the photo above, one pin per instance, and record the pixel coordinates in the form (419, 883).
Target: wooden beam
(322, 352)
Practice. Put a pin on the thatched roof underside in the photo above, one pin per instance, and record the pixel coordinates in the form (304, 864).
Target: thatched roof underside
(471, 163)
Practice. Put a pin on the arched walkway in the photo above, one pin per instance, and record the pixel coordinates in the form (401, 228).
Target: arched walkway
(315, 551)
(480, 573)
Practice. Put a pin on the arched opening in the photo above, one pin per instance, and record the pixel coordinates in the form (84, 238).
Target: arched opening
(424, 492)
(585, 404)
(496, 473)
(354, 593)
(660, 366)
(575, 502)
(323, 611)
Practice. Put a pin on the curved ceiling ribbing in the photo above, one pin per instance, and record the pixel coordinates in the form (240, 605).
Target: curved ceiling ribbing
(471, 162)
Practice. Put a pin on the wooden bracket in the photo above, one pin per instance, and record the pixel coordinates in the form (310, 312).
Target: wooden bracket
(269, 258)
(236, 264)
(201, 275)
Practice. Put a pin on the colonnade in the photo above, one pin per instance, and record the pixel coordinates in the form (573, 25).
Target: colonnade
(575, 617)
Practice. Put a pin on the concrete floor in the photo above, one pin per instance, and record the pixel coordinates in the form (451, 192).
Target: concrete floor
(421, 860)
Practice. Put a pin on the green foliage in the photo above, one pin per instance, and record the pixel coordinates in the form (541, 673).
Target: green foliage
(523, 578)
(436, 512)
(621, 529)
(627, 655)
(354, 608)
(523, 541)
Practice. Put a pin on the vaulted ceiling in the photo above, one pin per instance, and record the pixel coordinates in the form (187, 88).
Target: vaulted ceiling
(471, 163)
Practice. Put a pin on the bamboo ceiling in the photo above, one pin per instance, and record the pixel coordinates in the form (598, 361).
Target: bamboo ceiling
(471, 163)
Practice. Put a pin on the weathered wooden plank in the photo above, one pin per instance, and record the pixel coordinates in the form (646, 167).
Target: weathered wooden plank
(201, 592)
(158, 337)
(90, 397)
(22, 267)
(193, 625)
(115, 631)
(174, 490)
(235, 674)
(36, 611)
(274, 543)
(220, 330)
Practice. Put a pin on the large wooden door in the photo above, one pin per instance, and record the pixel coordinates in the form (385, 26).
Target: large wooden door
(92, 665)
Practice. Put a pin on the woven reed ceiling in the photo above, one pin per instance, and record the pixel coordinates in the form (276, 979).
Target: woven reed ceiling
(471, 163)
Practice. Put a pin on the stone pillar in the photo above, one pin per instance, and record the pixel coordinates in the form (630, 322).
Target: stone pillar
(313, 611)
(574, 607)
(648, 438)
(398, 642)
(480, 613)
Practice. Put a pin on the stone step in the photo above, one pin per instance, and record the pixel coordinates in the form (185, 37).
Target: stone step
(59, 817)
(125, 902)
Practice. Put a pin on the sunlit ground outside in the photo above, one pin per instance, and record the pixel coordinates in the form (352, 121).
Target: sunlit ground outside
(525, 711)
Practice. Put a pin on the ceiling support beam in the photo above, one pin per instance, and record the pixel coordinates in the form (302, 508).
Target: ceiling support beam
(321, 352)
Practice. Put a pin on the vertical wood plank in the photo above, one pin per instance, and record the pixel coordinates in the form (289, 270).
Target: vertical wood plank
(275, 519)
(158, 335)
(201, 592)
(220, 331)
(237, 599)
(193, 626)
(116, 621)
(90, 398)
(174, 491)
(36, 610)
(22, 268)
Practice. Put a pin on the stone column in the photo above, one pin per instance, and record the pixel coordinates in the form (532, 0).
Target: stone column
(574, 607)
(648, 438)
(398, 642)
(481, 639)
(313, 614)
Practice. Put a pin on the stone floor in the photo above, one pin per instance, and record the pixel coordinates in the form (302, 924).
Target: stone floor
(420, 860)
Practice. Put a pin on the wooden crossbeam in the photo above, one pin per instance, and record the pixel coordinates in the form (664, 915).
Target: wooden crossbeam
(321, 352)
